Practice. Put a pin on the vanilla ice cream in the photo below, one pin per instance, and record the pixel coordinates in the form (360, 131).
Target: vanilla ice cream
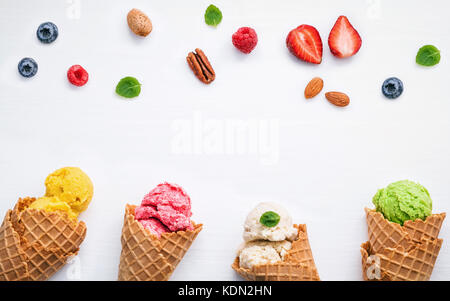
(258, 255)
(254, 229)
(261, 252)
(280, 246)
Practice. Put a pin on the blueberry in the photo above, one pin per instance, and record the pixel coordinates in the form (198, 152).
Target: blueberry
(392, 87)
(47, 32)
(27, 67)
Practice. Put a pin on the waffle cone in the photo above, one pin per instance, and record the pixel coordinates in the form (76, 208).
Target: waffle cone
(145, 257)
(298, 264)
(386, 234)
(34, 244)
(398, 264)
(403, 253)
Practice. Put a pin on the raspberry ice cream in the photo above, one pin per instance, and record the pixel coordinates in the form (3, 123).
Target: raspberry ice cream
(154, 226)
(167, 208)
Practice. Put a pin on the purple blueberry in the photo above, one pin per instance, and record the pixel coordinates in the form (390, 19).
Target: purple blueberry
(47, 32)
(27, 67)
(392, 88)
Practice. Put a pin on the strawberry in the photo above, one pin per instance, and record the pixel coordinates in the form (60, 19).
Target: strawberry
(305, 43)
(344, 40)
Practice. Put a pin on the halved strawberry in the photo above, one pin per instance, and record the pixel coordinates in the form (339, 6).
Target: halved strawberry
(344, 40)
(305, 43)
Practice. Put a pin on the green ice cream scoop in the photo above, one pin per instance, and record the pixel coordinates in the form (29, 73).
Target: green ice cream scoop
(402, 201)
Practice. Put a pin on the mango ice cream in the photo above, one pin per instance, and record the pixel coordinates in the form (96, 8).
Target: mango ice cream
(68, 189)
(53, 204)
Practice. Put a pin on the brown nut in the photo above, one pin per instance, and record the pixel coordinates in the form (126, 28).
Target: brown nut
(314, 87)
(338, 98)
(139, 23)
(199, 64)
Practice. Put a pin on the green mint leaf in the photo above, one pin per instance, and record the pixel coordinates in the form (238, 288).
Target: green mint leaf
(213, 15)
(128, 87)
(428, 55)
(269, 219)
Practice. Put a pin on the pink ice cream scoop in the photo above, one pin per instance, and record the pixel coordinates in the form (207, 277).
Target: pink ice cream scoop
(167, 208)
(154, 226)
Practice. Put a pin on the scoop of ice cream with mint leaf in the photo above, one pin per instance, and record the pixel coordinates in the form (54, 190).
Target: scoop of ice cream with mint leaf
(268, 233)
(269, 221)
(402, 201)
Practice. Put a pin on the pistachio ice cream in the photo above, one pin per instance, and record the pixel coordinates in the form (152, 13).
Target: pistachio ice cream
(402, 201)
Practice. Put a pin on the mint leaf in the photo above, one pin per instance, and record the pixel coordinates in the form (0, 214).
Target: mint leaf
(428, 55)
(269, 219)
(213, 15)
(128, 87)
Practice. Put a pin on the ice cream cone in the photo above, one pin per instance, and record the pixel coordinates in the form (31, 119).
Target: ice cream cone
(371, 265)
(280, 271)
(386, 234)
(13, 264)
(429, 229)
(301, 250)
(396, 252)
(145, 257)
(175, 244)
(398, 264)
(298, 264)
(34, 244)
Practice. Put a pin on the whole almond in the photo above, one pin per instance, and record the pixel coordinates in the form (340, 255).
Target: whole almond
(139, 23)
(314, 87)
(338, 98)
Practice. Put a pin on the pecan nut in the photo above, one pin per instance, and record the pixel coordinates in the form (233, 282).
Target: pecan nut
(200, 66)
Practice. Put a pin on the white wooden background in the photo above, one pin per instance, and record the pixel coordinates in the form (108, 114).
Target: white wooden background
(322, 163)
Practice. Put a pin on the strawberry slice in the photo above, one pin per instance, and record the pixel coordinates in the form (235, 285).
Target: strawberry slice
(344, 40)
(305, 43)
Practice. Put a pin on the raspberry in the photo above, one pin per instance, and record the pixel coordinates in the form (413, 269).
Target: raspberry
(245, 39)
(77, 75)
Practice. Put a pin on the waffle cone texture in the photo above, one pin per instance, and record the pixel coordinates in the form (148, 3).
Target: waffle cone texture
(146, 257)
(298, 264)
(400, 253)
(35, 244)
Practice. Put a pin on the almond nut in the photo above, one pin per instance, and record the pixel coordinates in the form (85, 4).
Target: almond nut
(314, 87)
(338, 98)
(139, 23)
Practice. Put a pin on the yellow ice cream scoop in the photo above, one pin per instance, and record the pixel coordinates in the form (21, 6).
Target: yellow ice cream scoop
(71, 186)
(53, 204)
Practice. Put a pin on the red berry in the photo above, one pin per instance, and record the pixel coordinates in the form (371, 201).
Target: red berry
(305, 43)
(245, 39)
(77, 75)
(344, 40)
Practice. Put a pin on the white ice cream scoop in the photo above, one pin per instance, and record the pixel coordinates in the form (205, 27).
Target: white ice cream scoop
(258, 255)
(269, 221)
(262, 251)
